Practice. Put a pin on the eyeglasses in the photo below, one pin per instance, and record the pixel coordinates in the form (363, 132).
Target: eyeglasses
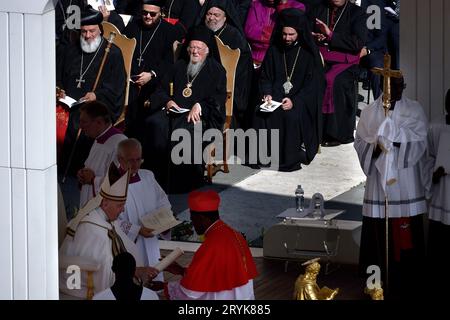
(196, 48)
(151, 13)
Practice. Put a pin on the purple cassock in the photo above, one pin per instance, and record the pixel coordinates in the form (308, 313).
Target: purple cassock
(260, 23)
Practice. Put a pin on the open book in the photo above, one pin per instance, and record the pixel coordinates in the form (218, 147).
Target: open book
(96, 3)
(269, 107)
(443, 154)
(159, 220)
(70, 102)
(181, 110)
(164, 263)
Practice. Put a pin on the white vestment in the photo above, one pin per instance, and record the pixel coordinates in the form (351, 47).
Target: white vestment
(107, 294)
(91, 241)
(440, 198)
(101, 155)
(178, 292)
(399, 172)
(143, 197)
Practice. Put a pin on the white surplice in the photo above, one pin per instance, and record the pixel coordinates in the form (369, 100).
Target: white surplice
(100, 157)
(440, 199)
(177, 292)
(107, 294)
(143, 197)
(91, 241)
(400, 172)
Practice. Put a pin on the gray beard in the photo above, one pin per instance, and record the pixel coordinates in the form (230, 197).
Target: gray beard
(194, 68)
(90, 47)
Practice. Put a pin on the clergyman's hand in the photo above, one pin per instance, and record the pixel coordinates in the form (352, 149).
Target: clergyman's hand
(85, 176)
(146, 232)
(267, 98)
(172, 104)
(90, 96)
(146, 273)
(105, 12)
(144, 77)
(286, 104)
(323, 28)
(60, 93)
(318, 36)
(194, 114)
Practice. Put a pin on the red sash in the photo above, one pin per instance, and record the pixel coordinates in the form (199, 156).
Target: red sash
(172, 21)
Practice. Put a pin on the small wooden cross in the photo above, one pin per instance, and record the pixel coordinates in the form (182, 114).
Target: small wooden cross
(387, 74)
(81, 80)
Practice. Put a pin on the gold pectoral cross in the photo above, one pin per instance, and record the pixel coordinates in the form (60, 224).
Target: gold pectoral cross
(387, 74)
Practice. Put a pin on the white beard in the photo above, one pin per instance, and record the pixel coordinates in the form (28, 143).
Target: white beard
(194, 68)
(214, 28)
(90, 47)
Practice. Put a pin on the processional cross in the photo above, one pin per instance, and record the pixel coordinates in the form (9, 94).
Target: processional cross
(387, 74)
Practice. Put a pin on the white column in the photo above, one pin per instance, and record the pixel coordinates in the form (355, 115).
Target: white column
(425, 53)
(28, 182)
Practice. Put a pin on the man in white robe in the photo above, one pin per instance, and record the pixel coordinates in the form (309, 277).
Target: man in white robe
(95, 234)
(144, 196)
(95, 122)
(439, 209)
(392, 154)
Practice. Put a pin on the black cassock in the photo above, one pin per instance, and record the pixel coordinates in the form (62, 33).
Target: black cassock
(233, 38)
(299, 128)
(209, 90)
(186, 11)
(349, 37)
(157, 57)
(110, 90)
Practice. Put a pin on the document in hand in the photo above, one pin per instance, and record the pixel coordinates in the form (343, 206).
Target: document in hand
(269, 107)
(443, 154)
(70, 102)
(107, 3)
(159, 220)
(164, 263)
(180, 110)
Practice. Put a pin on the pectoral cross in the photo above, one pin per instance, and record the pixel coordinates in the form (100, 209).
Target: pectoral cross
(387, 74)
(81, 80)
(139, 61)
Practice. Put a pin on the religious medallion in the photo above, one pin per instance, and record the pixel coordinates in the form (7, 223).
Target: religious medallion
(187, 92)
(287, 86)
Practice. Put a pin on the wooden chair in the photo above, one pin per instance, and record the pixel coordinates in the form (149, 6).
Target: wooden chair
(229, 58)
(127, 47)
(177, 45)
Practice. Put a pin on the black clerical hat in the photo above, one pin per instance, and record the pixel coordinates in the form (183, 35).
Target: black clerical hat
(91, 17)
(158, 3)
(201, 33)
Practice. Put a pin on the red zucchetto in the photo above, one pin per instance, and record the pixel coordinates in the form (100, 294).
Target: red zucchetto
(203, 201)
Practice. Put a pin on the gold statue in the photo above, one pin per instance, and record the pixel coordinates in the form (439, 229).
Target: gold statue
(306, 287)
(375, 293)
